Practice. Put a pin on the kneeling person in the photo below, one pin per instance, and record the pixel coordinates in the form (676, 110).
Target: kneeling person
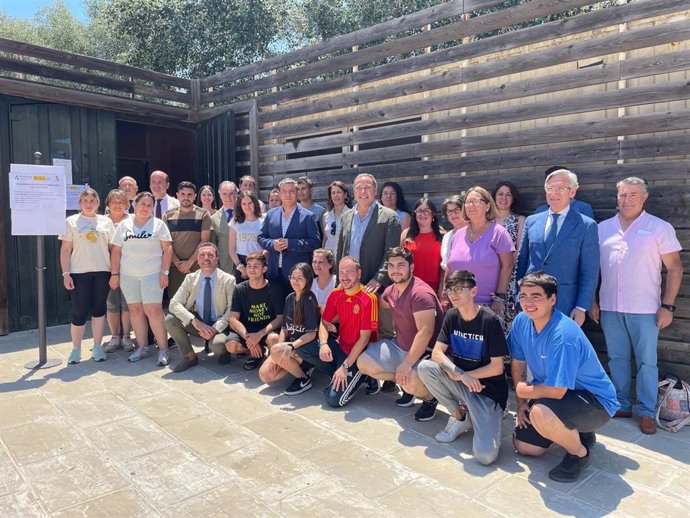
(570, 395)
(466, 371)
(256, 314)
(357, 312)
(201, 306)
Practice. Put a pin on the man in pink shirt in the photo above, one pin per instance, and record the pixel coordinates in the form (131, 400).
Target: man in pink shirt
(633, 246)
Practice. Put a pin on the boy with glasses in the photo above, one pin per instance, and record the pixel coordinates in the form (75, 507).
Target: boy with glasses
(465, 372)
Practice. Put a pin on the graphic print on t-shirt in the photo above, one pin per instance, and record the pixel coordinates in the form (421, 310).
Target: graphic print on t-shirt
(467, 346)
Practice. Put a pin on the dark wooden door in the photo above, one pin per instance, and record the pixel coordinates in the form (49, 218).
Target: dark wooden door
(215, 151)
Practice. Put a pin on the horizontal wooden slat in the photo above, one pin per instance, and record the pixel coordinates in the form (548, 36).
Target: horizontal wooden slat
(78, 60)
(359, 37)
(516, 39)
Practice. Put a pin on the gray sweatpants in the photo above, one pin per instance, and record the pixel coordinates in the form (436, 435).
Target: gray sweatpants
(486, 415)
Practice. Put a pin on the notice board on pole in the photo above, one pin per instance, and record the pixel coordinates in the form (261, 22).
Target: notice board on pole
(37, 200)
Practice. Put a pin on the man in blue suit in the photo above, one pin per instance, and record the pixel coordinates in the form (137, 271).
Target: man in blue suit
(582, 207)
(289, 234)
(564, 244)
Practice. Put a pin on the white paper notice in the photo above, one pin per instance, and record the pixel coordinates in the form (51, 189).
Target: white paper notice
(73, 192)
(37, 200)
(67, 164)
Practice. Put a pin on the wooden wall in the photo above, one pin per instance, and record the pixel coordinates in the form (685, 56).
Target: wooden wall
(605, 92)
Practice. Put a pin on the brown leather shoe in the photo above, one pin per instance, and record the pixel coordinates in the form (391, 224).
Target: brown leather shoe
(623, 413)
(647, 425)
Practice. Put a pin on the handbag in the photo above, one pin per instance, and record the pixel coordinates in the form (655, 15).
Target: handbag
(673, 403)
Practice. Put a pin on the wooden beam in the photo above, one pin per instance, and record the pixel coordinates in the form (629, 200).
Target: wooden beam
(254, 142)
(80, 61)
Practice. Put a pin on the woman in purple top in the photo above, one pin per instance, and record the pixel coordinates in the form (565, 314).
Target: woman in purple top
(484, 248)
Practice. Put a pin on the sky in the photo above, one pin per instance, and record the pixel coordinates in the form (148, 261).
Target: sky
(27, 8)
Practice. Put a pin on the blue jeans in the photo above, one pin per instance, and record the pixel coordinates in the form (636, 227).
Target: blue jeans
(624, 333)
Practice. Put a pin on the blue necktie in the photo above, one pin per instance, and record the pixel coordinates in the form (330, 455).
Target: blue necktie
(553, 230)
(228, 214)
(207, 301)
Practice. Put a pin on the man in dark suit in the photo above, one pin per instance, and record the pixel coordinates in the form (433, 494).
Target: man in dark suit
(219, 224)
(367, 232)
(564, 244)
(582, 207)
(289, 234)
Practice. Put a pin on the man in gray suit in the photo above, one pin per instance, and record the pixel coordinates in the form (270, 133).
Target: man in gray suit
(367, 232)
(219, 224)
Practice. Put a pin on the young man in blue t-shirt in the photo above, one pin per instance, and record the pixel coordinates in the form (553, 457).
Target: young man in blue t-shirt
(570, 395)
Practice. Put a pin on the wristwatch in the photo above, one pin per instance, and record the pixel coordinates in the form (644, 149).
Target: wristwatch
(165, 272)
(345, 366)
(670, 307)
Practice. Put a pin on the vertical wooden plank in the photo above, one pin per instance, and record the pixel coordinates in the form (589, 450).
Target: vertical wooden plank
(5, 227)
(254, 143)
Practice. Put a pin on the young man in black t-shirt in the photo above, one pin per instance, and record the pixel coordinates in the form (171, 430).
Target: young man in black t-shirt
(256, 314)
(466, 372)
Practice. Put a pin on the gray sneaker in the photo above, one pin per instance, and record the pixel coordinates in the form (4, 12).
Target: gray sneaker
(453, 429)
(163, 358)
(127, 344)
(98, 354)
(138, 354)
(114, 344)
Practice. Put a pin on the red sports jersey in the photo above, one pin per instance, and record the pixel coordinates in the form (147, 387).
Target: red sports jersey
(355, 312)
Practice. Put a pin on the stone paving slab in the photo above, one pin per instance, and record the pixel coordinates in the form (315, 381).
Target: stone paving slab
(122, 439)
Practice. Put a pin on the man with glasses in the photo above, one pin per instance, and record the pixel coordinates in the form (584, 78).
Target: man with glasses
(465, 372)
(580, 206)
(219, 224)
(418, 317)
(565, 244)
(634, 244)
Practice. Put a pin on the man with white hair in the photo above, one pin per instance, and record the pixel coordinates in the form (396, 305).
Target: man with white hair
(565, 244)
(634, 244)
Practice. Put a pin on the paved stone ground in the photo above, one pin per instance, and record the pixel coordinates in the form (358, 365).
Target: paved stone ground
(119, 439)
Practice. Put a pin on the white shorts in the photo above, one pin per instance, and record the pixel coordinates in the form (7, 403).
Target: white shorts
(142, 290)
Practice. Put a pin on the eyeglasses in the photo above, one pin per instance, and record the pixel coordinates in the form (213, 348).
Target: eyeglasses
(333, 228)
(297, 279)
(454, 212)
(457, 290)
(475, 202)
(559, 190)
(423, 212)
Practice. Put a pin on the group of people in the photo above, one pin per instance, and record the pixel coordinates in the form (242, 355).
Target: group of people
(378, 298)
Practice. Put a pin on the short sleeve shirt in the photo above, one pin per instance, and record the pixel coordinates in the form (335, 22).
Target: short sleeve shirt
(247, 232)
(631, 263)
(257, 307)
(142, 254)
(472, 344)
(185, 229)
(356, 312)
(418, 296)
(312, 317)
(561, 356)
(90, 238)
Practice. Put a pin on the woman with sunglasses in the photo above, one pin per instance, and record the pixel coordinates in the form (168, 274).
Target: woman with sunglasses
(423, 238)
(452, 211)
(301, 319)
(338, 203)
(485, 248)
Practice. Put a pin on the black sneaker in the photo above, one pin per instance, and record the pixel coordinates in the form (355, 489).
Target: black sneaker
(389, 386)
(298, 386)
(427, 411)
(570, 468)
(588, 439)
(253, 363)
(405, 400)
(224, 358)
(372, 386)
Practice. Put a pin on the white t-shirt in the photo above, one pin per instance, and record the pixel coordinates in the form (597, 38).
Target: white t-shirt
(331, 229)
(90, 238)
(322, 295)
(446, 243)
(247, 235)
(141, 250)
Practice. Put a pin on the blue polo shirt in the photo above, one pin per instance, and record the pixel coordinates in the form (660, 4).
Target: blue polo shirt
(561, 356)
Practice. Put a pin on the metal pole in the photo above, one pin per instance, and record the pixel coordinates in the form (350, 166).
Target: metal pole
(43, 362)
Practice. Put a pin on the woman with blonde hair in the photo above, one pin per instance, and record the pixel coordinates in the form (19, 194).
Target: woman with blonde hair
(85, 263)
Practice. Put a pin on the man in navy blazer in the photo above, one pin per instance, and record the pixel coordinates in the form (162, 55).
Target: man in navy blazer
(569, 252)
(582, 207)
(289, 234)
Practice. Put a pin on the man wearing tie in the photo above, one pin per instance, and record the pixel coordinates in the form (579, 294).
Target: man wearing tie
(219, 224)
(159, 183)
(201, 307)
(564, 244)
(129, 186)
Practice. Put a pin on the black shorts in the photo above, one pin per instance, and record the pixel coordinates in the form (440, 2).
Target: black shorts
(234, 337)
(578, 410)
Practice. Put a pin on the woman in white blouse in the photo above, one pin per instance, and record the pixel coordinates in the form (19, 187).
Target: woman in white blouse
(245, 227)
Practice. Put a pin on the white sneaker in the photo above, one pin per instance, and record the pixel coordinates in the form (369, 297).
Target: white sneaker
(163, 358)
(114, 344)
(453, 429)
(98, 354)
(138, 354)
(127, 344)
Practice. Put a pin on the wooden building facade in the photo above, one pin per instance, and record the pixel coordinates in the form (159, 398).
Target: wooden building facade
(457, 95)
